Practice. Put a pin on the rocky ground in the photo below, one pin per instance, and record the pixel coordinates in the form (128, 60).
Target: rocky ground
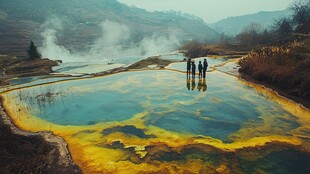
(25, 152)
(153, 62)
(11, 67)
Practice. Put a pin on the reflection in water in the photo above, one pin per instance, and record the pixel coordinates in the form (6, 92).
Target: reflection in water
(188, 83)
(204, 85)
(191, 84)
(199, 84)
(140, 122)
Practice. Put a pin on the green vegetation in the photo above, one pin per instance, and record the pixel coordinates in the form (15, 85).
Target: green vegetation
(33, 52)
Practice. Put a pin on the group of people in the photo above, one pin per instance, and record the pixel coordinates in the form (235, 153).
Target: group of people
(191, 68)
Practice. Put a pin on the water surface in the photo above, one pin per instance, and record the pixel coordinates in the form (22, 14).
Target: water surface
(161, 121)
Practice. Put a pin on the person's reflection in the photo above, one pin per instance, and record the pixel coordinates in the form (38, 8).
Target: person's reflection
(204, 85)
(199, 84)
(188, 83)
(193, 84)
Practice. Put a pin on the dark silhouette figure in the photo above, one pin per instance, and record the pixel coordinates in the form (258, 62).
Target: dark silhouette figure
(188, 83)
(204, 85)
(193, 69)
(200, 69)
(205, 67)
(188, 68)
(193, 84)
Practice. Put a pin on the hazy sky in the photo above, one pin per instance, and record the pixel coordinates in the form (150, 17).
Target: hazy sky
(212, 10)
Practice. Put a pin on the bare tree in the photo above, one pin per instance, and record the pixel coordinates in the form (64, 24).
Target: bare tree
(249, 37)
(301, 16)
(253, 28)
(282, 31)
(283, 26)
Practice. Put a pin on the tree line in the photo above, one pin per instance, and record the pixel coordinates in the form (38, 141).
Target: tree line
(284, 30)
(282, 59)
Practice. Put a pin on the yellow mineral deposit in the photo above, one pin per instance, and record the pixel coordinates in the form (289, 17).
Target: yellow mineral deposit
(118, 152)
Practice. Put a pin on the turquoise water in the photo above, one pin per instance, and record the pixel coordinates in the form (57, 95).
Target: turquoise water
(33, 81)
(91, 108)
(218, 111)
(154, 119)
(22, 80)
(30, 81)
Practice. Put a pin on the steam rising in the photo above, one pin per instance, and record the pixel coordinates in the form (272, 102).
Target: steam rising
(114, 44)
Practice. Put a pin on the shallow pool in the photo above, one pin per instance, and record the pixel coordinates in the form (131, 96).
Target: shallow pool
(160, 121)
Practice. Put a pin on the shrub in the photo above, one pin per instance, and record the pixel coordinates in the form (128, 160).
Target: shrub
(285, 67)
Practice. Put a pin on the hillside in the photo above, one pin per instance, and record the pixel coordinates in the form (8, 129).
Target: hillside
(233, 25)
(21, 21)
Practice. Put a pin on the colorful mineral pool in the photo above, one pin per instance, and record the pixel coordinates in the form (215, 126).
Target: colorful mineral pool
(160, 122)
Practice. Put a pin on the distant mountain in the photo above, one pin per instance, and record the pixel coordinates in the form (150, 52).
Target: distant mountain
(21, 20)
(234, 25)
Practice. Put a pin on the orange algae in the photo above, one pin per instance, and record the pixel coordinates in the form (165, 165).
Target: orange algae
(121, 153)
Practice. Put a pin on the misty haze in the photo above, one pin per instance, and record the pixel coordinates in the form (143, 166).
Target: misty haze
(116, 42)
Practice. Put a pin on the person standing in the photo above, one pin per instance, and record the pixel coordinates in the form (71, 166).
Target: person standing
(200, 69)
(193, 69)
(188, 68)
(205, 67)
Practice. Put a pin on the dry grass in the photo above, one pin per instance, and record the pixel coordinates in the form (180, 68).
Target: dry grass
(286, 67)
(29, 154)
(19, 154)
(224, 49)
(196, 49)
